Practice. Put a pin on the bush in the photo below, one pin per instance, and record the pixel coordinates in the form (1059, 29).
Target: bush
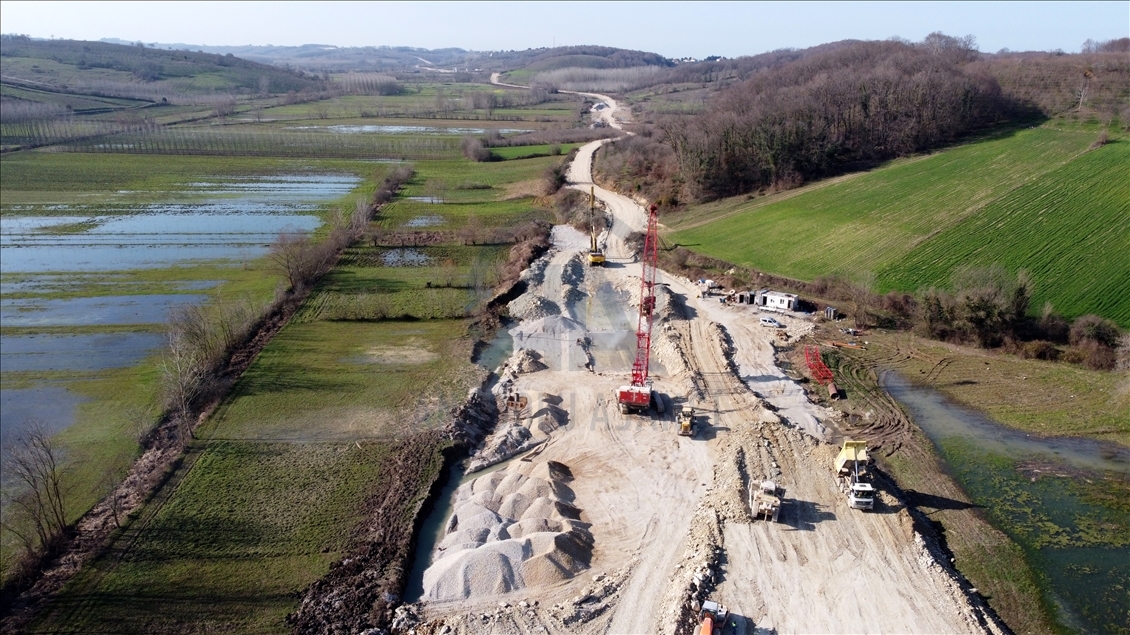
(1092, 328)
(474, 150)
(1053, 327)
(1039, 349)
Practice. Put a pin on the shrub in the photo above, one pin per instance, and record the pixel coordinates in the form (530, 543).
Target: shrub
(1092, 328)
(1039, 349)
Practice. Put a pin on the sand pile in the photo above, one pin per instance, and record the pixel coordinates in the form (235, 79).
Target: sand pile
(531, 306)
(561, 343)
(534, 275)
(527, 361)
(510, 529)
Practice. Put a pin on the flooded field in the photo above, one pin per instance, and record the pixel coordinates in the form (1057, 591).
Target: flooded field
(1063, 500)
(84, 253)
(407, 130)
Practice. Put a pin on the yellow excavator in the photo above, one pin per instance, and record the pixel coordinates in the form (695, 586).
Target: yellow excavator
(596, 254)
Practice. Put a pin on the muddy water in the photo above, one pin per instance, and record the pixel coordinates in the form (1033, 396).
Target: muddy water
(499, 349)
(1063, 500)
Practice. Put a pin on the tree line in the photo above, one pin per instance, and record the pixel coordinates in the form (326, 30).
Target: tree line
(851, 106)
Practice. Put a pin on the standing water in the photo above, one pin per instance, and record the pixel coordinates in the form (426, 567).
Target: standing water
(1063, 500)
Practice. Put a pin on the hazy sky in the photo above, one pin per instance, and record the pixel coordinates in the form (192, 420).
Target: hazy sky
(673, 29)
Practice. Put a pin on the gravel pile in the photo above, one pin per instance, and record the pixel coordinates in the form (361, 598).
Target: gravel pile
(531, 306)
(510, 529)
(560, 342)
(534, 275)
(528, 361)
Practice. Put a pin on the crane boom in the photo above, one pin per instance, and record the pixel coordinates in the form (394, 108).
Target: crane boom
(637, 395)
(647, 299)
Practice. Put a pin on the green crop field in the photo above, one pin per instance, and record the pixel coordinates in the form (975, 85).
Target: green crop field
(527, 152)
(1070, 229)
(885, 220)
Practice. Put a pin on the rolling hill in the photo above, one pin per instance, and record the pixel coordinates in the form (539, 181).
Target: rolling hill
(1037, 199)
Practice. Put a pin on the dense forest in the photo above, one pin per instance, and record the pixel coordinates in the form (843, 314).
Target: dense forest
(792, 116)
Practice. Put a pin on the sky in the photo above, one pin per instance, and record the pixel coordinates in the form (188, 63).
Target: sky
(672, 29)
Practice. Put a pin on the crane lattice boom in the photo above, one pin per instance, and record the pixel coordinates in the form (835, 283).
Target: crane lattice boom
(647, 299)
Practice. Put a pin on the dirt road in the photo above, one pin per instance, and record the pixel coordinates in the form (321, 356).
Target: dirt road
(667, 515)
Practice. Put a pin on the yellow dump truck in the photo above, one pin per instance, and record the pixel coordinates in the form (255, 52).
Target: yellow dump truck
(854, 476)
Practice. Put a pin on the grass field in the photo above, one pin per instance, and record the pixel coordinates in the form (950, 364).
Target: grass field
(525, 152)
(888, 220)
(1043, 398)
(222, 554)
(270, 491)
(29, 178)
(1070, 229)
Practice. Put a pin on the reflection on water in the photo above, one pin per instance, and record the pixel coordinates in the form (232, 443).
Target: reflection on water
(1063, 500)
(88, 351)
(102, 310)
(234, 219)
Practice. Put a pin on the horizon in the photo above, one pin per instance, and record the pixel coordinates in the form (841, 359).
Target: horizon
(673, 30)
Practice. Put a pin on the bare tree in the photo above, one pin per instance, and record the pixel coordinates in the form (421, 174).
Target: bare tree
(37, 513)
(862, 298)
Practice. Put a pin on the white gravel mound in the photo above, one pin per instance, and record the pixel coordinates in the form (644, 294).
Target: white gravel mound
(531, 306)
(560, 342)
(510, 529)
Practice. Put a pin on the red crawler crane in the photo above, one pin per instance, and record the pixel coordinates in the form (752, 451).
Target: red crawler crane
(637, 396)
(820, 372)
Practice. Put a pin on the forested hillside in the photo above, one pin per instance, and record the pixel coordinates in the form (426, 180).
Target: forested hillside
(777, 120)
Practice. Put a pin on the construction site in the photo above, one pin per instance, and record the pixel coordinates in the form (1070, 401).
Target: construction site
(653, 470)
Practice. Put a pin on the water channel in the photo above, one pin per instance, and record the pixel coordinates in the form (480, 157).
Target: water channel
(1063, 500)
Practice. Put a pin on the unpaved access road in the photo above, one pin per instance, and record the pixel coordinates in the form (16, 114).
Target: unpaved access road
(668, 515)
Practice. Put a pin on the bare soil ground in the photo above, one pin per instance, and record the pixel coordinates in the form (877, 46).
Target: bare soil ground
(668, 514)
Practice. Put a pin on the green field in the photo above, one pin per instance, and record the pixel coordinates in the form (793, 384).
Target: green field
(222, 554)
(33, 178)
(1070, 229)
(269, 492)
(894, 219)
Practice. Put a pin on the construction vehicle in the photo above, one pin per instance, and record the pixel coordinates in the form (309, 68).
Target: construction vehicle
(821, 374)
(853, 474)
(765, 501)
(637, 396)
(685, 419)
(596, 254)
(712, 618)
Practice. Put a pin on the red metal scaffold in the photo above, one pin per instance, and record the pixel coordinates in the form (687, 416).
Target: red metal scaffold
(637, 396)
(821, 374)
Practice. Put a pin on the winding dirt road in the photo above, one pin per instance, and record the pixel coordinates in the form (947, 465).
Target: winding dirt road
(664, 509)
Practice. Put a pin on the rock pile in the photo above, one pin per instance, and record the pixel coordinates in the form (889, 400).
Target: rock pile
(511, 528)
(531, 306)
(561, 343)
(528, 361)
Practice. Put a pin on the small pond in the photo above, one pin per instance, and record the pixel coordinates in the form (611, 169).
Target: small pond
(405, 258)
(1063, 500)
